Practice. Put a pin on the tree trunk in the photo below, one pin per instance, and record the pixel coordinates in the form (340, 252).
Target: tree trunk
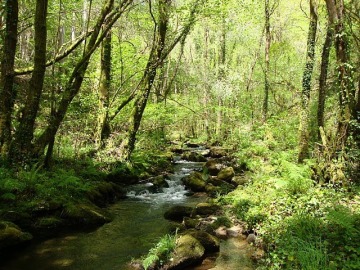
(306, 85)
(323, 77)
(267, 60)
(22, 146)
(155, 61)
(345, 83)
(7, 75)
(157, 56)
(105, 79)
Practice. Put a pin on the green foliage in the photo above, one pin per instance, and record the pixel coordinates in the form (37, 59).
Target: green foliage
(161, 252)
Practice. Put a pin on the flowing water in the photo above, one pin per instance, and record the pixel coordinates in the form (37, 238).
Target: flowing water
(137, 226)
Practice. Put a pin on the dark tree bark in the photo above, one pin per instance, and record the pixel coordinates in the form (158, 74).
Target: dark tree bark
(306, 85)
(323, 77)
(7, 75)
(103, 131)
(21, 148)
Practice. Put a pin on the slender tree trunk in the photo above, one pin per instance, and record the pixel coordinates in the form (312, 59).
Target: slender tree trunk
(306, 85)
(222, 75)
(55, 87)
(323, 77)
(206, 85)
(7, 75)
(155, 61)
(267, 60)
(157, 56)
(22, 145)
(104, 89)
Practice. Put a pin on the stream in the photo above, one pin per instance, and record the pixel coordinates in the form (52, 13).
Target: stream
(138, 224)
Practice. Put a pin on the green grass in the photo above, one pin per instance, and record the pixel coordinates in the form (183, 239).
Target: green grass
(161, 252)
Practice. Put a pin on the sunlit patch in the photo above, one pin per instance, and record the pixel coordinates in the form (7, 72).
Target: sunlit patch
(63, 262)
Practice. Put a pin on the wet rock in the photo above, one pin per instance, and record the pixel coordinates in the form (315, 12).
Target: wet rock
(178, 212)
(221, 232)
(193, 156)
(85, 214)
(106, 192)
(47, 223)
(206, 209)
(188, 251)
(191, 222)
(239, 180)
(222, 187)
(192, 144)
(251, 238)
(226, 174)
(194, 181)
(12, 235)
(122, 176)
(159, 182)
(234, 231)
(214, 166)
(217, 152)
(211, 190)
(209, 242)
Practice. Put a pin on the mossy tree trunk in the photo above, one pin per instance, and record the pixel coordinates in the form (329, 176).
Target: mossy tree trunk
(306, 85)
(103, 129)
(345, 84)
(7, 93)
(323, 77)
(21, 148)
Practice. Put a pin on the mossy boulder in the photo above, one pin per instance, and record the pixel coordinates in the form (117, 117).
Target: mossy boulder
(209, 242)
(226, 174)
(191, 222)
(239, 180)
(159, 182)
(12, 235)
(214, 166)
(85, 215)
(178, 212)
(106, 192)
(46, 223)
(206, 209)
(193, 156)
(222, 187)
(188, 251)
(217, 152)
(194, 182)
(123, 176)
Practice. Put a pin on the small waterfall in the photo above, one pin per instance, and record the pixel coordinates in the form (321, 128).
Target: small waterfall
(176, 191)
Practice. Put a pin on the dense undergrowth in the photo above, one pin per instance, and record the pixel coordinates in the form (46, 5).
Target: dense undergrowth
(302, 222)
(71, 181)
